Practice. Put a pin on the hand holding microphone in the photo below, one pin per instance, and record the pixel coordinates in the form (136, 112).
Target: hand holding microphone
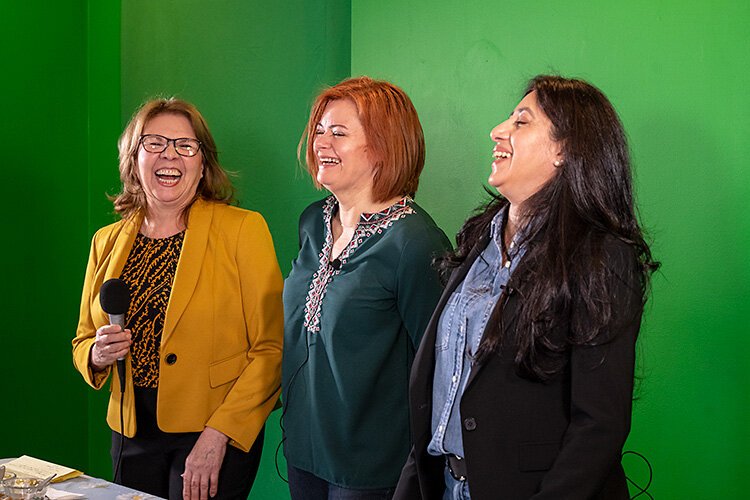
(112, 341)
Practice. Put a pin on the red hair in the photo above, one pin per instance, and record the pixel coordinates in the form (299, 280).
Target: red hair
(394, 134)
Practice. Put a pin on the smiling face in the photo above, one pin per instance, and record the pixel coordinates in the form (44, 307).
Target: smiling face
(340, 147)
(524, 153)
(169, 180)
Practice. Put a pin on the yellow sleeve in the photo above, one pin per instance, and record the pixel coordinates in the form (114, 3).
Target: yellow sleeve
(256, 391)
(86, 332)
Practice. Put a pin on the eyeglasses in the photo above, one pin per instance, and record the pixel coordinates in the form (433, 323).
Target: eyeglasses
(185, 146)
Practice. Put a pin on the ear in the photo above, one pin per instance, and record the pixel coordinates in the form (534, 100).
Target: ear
(559, 160)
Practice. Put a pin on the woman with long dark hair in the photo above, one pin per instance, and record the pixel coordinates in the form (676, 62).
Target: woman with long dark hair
(522, 386)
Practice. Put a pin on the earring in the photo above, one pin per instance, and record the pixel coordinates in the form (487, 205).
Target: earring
(558, 163)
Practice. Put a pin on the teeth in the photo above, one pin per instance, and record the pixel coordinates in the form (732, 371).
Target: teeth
(329, 161)
(500, 154)
(172, 172)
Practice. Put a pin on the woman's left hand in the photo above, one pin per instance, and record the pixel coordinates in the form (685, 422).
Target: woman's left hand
(201, 477)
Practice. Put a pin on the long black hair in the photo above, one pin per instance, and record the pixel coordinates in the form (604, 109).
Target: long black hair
(590, 199)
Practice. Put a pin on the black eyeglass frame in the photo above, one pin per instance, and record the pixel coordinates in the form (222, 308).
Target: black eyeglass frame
(174, 144)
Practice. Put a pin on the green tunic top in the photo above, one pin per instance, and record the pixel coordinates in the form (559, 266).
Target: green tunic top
(351, 329)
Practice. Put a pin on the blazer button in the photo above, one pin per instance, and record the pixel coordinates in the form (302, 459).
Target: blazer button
(171, 358)
(470, 424)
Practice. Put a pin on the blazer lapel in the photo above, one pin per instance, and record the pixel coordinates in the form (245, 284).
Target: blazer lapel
(115, 255)
(121, 247)
(189, 265)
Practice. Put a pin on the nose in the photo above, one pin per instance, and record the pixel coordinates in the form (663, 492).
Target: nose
(322, 141)
(170, 152)
(501, 131)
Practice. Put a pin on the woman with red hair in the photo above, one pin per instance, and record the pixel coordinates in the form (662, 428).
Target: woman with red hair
(359, 295)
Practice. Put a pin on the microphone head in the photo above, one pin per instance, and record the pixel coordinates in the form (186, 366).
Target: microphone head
(114, 296)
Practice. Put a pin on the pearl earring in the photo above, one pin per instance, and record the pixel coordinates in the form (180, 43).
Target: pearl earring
(558, 163)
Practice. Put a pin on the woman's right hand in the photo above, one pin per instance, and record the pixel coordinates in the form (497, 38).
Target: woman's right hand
(112, 342)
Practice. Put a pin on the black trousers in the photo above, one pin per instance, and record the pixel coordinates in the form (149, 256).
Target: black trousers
(153, 461)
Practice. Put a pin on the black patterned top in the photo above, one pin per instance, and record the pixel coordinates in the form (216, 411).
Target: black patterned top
(351, 328)
(149, 273)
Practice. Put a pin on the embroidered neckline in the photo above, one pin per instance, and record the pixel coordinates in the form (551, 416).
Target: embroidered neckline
(369, 225)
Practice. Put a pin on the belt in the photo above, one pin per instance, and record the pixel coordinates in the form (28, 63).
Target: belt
(456, 466)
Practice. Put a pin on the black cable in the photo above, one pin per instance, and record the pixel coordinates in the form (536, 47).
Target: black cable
(121, 374)
(644, 490)
(285, 406)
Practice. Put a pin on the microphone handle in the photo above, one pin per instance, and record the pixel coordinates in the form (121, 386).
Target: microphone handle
(119, 319)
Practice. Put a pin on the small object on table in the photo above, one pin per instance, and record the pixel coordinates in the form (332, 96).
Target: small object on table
(25, 488)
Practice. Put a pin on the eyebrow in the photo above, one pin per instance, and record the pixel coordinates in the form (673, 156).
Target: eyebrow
(521, 110)
(332, 125)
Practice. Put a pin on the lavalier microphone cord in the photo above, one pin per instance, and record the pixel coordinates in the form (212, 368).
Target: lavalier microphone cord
(641, 490)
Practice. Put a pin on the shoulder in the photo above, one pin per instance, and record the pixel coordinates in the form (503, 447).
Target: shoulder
(314, 211)
(230, 214)
(110, 232)
(420, 235)
(618, 256)
(622, 270)
(231, 220)
(420, 229)
(109, 229)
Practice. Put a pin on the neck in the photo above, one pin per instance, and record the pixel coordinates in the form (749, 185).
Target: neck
(512, 223)
(162, 223)
(351, 208)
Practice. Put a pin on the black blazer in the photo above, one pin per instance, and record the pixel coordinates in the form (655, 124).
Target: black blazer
(561, 439)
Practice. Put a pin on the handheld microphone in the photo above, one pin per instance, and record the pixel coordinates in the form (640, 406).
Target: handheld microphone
(114, 297)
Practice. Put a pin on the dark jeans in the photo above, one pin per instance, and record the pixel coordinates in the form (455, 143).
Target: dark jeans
(153, 461)
(306, 486)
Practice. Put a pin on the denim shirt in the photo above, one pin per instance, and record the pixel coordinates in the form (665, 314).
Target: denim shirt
(459, 334)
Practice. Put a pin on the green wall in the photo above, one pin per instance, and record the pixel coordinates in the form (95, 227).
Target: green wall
(44, 207)
(104, 128)
(75, 70)
(252, 69)
(677, 73)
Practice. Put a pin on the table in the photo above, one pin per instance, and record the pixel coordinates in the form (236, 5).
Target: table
(96, 489)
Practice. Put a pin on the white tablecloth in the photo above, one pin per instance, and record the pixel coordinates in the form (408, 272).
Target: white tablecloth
(95, 489)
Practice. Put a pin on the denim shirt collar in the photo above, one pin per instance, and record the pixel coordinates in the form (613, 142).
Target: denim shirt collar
(496, 233)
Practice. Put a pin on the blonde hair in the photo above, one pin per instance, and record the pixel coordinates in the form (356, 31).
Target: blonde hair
(215, 184)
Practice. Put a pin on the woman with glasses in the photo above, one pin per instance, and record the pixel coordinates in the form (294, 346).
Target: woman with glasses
(203, 331)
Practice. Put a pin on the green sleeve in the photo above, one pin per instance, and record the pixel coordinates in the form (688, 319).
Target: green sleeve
(418, 286)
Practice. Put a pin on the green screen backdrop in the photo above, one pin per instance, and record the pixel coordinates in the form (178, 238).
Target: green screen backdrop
(44, 227)
(252, 68)
(676, 71)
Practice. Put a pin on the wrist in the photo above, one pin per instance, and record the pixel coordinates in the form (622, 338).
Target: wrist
(216, 434)
(92, 364)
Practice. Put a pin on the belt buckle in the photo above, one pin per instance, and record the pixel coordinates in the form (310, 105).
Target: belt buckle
(456, 476)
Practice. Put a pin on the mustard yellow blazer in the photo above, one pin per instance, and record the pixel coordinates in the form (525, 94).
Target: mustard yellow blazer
(224, 324)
